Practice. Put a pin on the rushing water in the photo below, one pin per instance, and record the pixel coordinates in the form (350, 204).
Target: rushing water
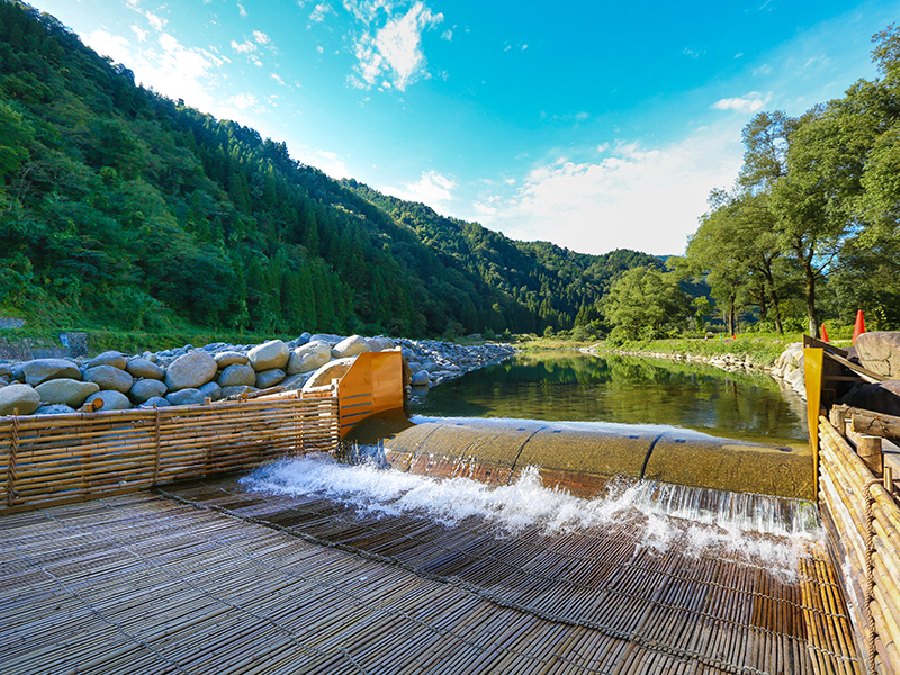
(752, 529)
(577, 387)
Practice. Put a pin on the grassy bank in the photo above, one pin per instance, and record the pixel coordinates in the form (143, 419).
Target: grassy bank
(760, 349)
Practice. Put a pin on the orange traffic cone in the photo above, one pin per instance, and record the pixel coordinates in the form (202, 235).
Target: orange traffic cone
(824, 333)
(860, 326)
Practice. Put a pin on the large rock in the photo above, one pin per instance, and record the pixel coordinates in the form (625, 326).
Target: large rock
(309, 357)
(269, 355)
(112, 400)
(66, 391)
(190, 371)
(880, 352)
(145, 368)
(186, 397)
(237, 375)
(54, 409)
(5, 371)
(334, 370)
(41, 370)
(211, 391)
(421, 378)
(114, 359)
(229, 392)
(225, 359)
(351, 346)
(295, 381)
(330, 338)
(269, 378)
(18, 396)
(155, 402)
(108, 377)
(145, 389)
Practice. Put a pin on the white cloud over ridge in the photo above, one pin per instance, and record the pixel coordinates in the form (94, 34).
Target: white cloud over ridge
(432, 189)
(647, 199)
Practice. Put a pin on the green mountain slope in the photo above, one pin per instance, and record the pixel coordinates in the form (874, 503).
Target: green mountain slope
(121, 208)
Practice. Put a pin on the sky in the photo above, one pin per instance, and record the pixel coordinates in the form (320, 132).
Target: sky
(593, 124)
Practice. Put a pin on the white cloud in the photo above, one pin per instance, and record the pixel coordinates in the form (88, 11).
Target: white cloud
(749, 102)
(277, 78)
(261, 38)
(320, 12)
(329, 162)
(647, 199)
(432, 189)
(242, 11)
(447, 35)
(245, 47)
(114, 46)
(139, 33)
(243, 101)
(393, 55)
(320, 49)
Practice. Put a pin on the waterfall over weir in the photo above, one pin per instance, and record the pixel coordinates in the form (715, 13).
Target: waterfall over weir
(752, 529)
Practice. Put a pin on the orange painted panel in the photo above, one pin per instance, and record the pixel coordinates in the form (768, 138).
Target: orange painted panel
(373, 384)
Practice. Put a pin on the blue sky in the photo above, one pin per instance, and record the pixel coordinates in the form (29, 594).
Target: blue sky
(595, 125)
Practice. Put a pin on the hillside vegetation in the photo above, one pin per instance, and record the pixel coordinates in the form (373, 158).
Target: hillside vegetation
(122, 209)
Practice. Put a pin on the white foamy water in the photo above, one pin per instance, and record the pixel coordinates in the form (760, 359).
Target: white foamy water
(758, 530)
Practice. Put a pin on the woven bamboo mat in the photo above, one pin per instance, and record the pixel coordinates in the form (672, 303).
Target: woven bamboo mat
(214, 580)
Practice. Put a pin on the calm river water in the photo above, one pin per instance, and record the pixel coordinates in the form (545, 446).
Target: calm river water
(569, 386)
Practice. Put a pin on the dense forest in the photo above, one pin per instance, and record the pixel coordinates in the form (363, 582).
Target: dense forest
(123, 209)
(810, 230)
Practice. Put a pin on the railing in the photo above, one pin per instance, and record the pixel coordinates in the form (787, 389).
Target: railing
(53, 459)
(863, 522)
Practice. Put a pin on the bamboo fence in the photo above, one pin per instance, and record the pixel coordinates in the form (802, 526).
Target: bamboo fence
(53, 459)
(864, 526)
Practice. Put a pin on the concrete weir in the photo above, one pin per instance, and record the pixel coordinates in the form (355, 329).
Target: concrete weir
(583, 456)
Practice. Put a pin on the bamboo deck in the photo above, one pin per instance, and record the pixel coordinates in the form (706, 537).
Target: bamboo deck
(209, 579)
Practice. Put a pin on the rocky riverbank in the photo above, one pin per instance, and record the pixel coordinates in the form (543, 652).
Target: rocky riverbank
(191, 376)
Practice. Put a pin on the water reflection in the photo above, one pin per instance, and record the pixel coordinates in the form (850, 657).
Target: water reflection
(575, 387)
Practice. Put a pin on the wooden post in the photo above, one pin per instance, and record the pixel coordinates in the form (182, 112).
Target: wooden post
(12, 459)
(868, 448)
(889, 480)
(838, 418)
(156, 461)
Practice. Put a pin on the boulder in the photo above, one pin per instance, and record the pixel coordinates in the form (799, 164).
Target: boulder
(54, 409)
(18, 396)
(228, 392)
(269, 378)
(299, 341)
(155, 402)
(190, 371)
(330, 338)
(380, 344)
(295, 381)
(211, 391)
(237, 375)
(108, 377)
(112, 400)
(145, 368)
(145, 389)
(334, 370)
(309, 357)
(225, 359)
(40, 370)
(880, 352)
(351, 346)
(5, 371)
(269, 355)
(66, 391)
(421, 378)
(114, 359)
(188, 396)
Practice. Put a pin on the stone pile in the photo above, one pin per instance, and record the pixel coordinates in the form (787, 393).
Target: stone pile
(190, 376)
(789, 368)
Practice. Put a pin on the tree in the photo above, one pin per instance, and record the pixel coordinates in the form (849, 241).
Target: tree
(645, 303)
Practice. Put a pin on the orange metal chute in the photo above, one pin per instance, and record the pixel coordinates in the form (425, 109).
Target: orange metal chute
(373, 385)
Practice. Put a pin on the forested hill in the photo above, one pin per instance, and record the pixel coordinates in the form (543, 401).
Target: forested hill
(124, 209)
